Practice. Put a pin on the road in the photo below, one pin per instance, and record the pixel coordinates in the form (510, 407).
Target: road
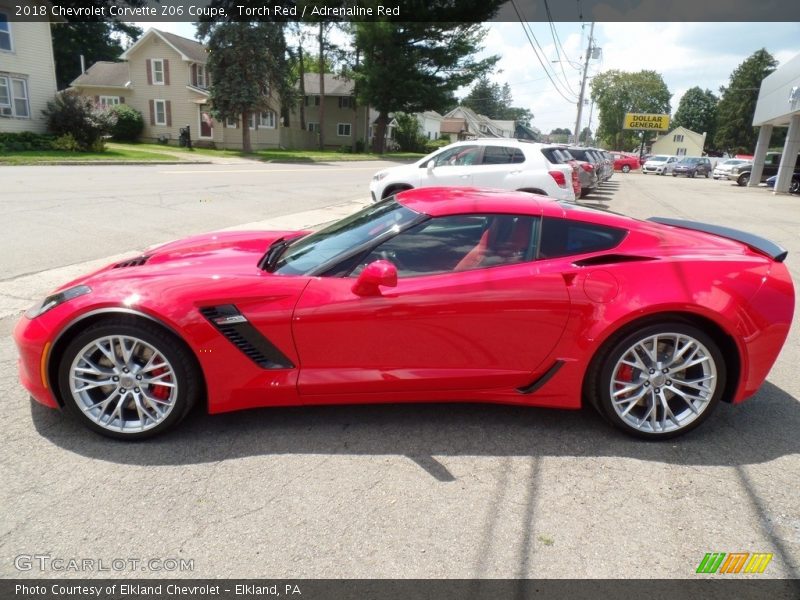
(49, 213)
(386, 491)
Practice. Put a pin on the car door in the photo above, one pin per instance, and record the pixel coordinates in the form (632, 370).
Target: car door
(459, 318)
(453, 167)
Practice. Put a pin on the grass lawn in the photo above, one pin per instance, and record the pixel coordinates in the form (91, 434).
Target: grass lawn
(309, 156)
(33, 157)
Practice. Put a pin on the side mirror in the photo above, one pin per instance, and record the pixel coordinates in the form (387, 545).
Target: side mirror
(430, 165)
(375, 274)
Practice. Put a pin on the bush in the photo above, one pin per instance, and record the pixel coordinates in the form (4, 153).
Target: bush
(69, 113)
(66, 142)
(434, 145)
(129, 123)
(407, 133)
(25, 141)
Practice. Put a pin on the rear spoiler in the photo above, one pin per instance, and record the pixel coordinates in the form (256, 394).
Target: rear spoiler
(759, 244)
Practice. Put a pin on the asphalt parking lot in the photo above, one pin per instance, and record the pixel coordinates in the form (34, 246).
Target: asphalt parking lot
(411, 491)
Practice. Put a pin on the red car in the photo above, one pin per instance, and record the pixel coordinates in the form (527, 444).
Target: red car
(436, 294)
(625, 162)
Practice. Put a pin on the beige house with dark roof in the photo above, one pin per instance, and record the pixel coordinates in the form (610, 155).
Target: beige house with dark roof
(164, 77)
(342, 116)
(27, 73)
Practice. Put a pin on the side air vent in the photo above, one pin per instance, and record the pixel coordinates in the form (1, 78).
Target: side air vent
(232, 324)
(609, 259)
(133, 262)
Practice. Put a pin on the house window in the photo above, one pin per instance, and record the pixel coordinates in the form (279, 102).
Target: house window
(267, 120)
(315, 100)
(231, 122)
(158, 71)
(678, 137)
(681, 151)
(343, 129)
(202, 81)
(345, 102)
(5, 33)
(251, 120)
(14, 98)
(109, 100)
(160, 107)
(313, 127)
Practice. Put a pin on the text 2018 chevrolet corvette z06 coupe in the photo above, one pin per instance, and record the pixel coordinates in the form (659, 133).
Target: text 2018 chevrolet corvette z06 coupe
(437, 294)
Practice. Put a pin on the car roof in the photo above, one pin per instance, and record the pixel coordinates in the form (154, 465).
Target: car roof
(443, 201)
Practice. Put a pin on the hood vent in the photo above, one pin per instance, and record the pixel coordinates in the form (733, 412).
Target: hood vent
(133, 262)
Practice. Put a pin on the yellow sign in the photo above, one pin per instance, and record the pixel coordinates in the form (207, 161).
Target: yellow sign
(646, 121)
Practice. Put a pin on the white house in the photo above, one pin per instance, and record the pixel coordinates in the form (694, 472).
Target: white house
(27, 73)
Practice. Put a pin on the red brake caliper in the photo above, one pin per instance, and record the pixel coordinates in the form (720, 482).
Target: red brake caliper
(158, 391)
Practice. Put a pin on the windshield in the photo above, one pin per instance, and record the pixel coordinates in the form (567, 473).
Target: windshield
(690, 161)
(657, 159)
(364, 227)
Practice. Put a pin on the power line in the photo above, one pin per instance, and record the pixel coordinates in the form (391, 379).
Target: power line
(539, 58)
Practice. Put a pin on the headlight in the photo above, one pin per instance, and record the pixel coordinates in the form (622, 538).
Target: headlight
(54, 300)
(735, 170)
(379, 176)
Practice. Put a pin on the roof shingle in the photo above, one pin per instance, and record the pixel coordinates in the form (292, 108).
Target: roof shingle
(106, 74)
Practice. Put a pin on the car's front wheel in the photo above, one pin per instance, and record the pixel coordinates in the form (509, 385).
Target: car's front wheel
(626, 168)
(743, 179)
(127, 379)
(660, 381)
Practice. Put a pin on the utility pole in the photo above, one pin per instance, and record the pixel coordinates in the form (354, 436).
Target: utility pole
(583, 84)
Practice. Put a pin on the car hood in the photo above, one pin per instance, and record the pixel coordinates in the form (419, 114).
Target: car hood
(212, 255)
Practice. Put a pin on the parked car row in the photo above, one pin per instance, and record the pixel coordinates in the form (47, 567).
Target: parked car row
(741, 174)
(561, 172)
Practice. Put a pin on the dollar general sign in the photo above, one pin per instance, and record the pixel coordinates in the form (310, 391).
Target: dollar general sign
(646, 121)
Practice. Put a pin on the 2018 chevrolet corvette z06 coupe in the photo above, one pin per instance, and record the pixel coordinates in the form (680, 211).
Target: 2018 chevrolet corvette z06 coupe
(438, 294)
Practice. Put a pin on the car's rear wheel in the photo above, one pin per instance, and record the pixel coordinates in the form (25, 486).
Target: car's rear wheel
(626, 168)
(128, 380)
(743, 179)
(660, 381)
(794, 186)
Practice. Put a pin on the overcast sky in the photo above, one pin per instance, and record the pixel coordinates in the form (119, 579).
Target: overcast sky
(685, 54)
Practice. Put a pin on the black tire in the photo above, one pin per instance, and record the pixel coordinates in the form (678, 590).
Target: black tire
(693, 174)
(708, 173)
(743, 179)
(186, 378)
(794, 186)
(674, 174)
(626, 168)
(395, 189)
(599, 379)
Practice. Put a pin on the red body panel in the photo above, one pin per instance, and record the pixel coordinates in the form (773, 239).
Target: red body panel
(463, 336)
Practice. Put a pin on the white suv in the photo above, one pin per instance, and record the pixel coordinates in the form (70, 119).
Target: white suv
(660, 164)
(491, 163)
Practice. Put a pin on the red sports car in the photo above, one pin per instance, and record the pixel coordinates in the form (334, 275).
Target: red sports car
(431, 295)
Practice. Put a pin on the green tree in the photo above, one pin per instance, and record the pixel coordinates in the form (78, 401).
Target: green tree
(616, 93)
(496, 102)
(94, 40)
(586, 136)
(411, 67)
(697, 111)
(484, 97)
(735, 131)
(407, 134)
(246, 61)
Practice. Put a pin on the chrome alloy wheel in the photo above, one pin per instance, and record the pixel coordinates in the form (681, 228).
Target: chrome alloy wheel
(663, 382)
(123, 384)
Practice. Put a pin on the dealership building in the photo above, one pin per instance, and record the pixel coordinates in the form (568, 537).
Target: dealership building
(778, 106)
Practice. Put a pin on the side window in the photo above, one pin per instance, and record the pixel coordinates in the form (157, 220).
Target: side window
(457, 243)
(563, 237)
(460, 155)
(501, 155)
